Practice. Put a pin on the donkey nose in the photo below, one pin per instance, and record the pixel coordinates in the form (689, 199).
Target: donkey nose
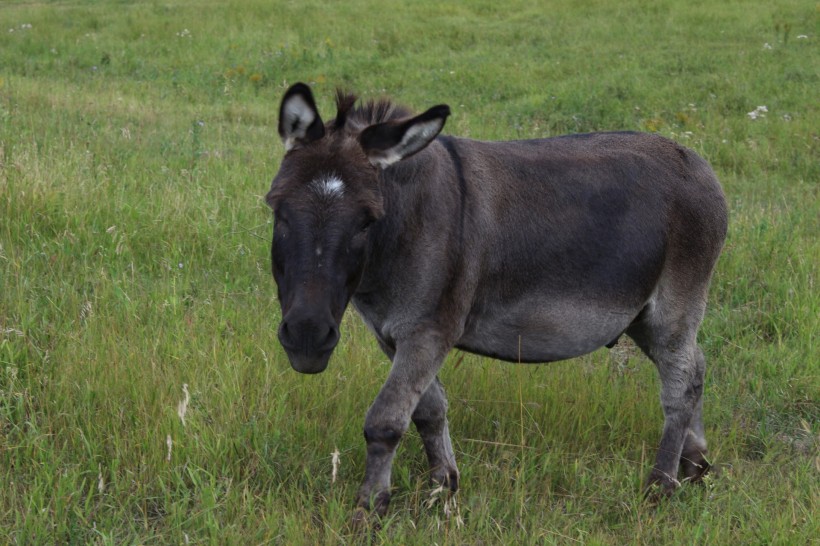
(308, 336)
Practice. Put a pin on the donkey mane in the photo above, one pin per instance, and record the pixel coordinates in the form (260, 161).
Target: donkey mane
(366, 114)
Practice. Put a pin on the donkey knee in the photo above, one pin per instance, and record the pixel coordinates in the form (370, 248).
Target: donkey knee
(694, 391)
(383, 436)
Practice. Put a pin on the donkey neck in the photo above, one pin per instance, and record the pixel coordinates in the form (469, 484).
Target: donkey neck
(425, 199)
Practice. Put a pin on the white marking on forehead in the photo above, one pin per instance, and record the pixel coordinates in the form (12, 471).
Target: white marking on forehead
(329, 186)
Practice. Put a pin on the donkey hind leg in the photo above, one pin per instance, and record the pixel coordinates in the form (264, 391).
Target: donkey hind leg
(430, 418)
(681, 367)
(693, 460)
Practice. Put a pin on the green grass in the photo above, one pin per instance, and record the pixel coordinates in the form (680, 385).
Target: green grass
(136, 141)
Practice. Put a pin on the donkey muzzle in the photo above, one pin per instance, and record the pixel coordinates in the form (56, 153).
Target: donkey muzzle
(308, 341)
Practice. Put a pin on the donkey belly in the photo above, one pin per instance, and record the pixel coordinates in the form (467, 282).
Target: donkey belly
(539, 331)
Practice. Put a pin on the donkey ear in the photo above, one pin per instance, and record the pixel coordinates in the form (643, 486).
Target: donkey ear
(299, 120)
(389, 142)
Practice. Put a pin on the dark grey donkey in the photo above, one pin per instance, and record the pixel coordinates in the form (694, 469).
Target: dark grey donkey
(526, 251)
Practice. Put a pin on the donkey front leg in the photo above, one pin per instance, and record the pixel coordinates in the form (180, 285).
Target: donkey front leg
(414, 370)
(430, 419)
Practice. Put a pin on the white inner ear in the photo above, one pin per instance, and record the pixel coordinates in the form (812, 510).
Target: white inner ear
(385, 158)
(418, 135)
(298, 115)
(416, 138)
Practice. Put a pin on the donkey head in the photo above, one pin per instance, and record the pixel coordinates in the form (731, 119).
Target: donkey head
(325, 197)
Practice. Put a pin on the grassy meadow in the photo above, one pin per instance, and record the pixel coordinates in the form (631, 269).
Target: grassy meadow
(144, 398)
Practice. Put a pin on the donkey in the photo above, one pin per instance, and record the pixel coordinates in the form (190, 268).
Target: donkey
(524, 251)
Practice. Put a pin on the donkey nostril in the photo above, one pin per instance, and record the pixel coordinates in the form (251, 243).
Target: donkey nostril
(308, 336)
(284, 333)
(332, 337)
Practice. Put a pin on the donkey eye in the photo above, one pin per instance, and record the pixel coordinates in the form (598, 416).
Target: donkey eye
(366, 225)
(280, 226)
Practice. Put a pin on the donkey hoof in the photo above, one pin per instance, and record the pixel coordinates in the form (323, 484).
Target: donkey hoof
(659, 485)
(359, 519)
(363, 520)
(695, 468)
(373, 504)
(381, 502)
(445, 478)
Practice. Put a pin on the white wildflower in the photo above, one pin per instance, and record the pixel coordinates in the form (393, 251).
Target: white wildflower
(100, 480)
(86, 311)
(449, 506)
(182, 408)
(767, 45)
(434, 496)
(802, 37)
(451, 510)
(170, 443)
(759, 112)
(334, 461)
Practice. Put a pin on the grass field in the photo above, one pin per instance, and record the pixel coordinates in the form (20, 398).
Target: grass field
(136, 142)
